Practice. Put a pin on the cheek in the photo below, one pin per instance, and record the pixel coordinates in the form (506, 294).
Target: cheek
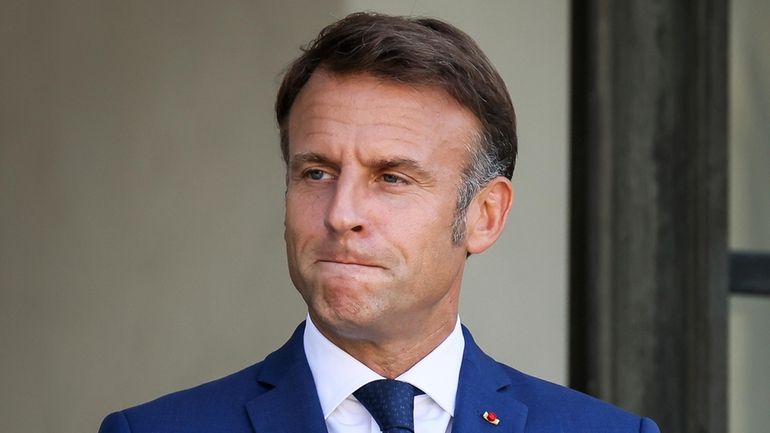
(297, 234)
(303, 212)
(428, 221)
(423, 234)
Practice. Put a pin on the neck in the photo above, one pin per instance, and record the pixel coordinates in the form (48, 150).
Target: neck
(391, 357)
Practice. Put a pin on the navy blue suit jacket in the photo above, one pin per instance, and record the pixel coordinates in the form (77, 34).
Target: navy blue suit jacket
(278, 395)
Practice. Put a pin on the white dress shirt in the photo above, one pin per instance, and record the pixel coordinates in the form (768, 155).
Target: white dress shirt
(337, 375)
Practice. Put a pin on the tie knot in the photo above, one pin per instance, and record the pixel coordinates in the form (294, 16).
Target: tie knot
(391, 404)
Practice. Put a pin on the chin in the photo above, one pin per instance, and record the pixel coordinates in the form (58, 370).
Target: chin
(345, 319)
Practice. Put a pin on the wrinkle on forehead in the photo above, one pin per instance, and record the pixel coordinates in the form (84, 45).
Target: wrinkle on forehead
(421, 108)
(367, 118)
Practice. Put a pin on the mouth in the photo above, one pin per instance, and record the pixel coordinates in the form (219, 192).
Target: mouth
(350, 263)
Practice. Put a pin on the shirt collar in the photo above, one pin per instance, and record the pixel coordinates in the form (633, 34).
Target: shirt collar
(337, 374)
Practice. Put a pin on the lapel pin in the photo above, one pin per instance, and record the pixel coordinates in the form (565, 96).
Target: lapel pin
(491, 418)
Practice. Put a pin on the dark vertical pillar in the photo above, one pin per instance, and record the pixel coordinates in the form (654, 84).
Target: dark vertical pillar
(649, 252)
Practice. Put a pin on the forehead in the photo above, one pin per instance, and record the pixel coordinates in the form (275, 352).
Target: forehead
(372, 113)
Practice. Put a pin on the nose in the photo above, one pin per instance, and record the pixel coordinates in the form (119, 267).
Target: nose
(346, 209)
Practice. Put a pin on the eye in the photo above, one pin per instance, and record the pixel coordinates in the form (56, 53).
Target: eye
(392, 178)
(316, 174)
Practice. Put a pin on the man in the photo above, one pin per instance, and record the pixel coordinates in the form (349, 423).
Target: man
(399, 141)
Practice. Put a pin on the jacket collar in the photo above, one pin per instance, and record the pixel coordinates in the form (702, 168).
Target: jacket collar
(485, 387)
(290, 403)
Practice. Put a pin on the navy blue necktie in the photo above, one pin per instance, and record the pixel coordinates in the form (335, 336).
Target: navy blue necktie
(391, 404)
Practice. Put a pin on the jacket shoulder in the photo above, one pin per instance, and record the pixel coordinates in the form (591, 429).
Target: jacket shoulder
(216, 406)
(213, 407)
(550, 404)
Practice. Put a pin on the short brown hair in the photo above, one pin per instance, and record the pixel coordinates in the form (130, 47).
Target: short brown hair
(417, 51)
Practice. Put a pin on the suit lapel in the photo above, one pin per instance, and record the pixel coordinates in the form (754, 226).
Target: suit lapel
(484, 387)
(290, 405)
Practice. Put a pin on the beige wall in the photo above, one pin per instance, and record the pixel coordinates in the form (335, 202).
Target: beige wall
(749, 334)
(141, 196)
(749, 125)
(749, 358)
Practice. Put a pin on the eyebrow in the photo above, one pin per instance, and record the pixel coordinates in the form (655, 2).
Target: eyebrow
(406, 164)
(381, 164)
(298, 160)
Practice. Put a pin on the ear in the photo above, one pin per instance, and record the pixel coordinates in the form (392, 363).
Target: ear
(487, 214)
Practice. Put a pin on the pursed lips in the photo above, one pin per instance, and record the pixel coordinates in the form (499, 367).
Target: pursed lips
(350, 262)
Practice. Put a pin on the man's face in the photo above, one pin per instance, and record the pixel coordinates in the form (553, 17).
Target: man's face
(372, 183)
